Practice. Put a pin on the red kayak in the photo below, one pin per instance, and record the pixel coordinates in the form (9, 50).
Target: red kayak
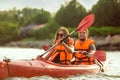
(31, 68)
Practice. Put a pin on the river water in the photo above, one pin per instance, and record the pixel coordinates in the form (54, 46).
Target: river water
(112, 73)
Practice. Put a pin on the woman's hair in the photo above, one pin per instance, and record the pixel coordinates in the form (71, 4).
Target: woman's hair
(66, 32)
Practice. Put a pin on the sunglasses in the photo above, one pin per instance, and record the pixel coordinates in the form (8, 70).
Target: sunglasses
(61, 35)
(82, 32)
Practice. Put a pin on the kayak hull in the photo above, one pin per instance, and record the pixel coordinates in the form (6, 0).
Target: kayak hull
(31, 68)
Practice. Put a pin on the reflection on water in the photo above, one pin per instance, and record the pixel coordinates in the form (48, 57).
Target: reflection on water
(112, 73)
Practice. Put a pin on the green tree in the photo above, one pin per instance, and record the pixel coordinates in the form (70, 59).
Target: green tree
(107, 13)
(41, 17)
(47, 31)
(8, 31)
(70, 14)
(10, 16)
(35, 16)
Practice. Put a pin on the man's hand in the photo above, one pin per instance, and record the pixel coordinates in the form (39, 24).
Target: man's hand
(84, 52)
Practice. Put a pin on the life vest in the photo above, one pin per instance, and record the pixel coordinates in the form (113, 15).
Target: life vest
(61, 54)
(82, 58)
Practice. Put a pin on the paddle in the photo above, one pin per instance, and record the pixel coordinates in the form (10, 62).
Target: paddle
(85, 23)
(100, 55)
(45, 47)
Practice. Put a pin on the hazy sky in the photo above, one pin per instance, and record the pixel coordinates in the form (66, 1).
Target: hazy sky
(49, 5)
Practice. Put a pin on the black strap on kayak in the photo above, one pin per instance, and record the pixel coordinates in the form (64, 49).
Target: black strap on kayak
(100, 62)
(100, 65)
(8, 69)
(7, 61)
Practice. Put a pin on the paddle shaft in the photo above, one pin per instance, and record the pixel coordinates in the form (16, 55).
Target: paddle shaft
(49, 49)
(79, 28)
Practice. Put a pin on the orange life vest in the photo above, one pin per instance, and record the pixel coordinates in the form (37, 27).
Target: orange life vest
(64, 56)
(85, 46)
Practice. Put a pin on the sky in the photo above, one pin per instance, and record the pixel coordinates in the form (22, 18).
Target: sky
(49, 5)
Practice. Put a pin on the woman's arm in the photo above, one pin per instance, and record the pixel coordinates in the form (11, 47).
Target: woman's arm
(69, 48)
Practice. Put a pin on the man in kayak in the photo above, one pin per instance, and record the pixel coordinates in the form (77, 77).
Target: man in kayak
(84, 49)
(62, 52)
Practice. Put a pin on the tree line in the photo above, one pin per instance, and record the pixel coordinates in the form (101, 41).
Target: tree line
(18, 24)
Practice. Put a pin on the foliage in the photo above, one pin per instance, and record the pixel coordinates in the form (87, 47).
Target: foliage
(34, 16)
(103, 31)
(107, 13)
(8, 31)
(47, 32)
(71, 14)
(11, 22)
(10, 16)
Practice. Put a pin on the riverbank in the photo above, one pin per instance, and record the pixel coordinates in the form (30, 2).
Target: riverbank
(108, 43)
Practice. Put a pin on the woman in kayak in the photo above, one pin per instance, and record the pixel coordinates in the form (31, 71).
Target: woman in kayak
(62, 53)
(84, 49)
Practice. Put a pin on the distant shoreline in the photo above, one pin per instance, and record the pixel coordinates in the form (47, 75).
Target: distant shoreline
(102, 43)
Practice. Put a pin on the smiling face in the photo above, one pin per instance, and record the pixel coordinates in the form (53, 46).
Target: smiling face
(83, 35)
